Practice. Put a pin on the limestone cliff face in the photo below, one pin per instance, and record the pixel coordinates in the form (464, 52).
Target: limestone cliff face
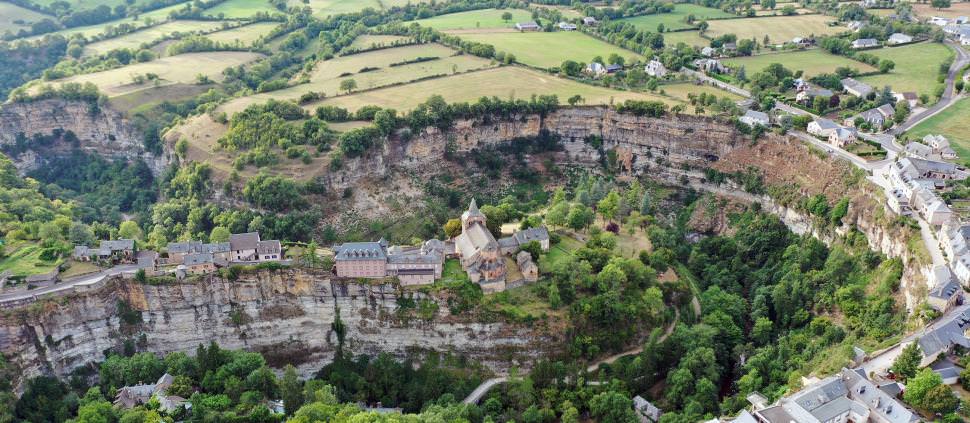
(286, 315)
(105, 132)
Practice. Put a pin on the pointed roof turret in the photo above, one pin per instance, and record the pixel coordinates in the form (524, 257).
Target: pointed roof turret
(473, 209)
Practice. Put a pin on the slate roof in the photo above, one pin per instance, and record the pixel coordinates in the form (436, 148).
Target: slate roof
(246, 241)
(945, 333)
(531, 234)
(194, 259)
(360, 251)
(269, 247)
(946, 284)
(118, 244)
(756, 115)
(857, 86)
(183, 247)
(826, 124)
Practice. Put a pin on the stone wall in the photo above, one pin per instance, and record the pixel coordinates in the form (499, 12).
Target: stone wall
(105, 132)
(286, 315)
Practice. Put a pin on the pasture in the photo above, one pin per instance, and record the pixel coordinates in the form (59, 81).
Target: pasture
(144, 20)
(680, 91)
(917, 66)
(183, 68)
(13, 18)
(241, 9)
(244, 35)
(476, 19)
(691, 38)
(811, 62)
(677, 19)
(956, 9)
(368, 42)
(149, 35)
(91, 4)
(778, 28)
(328, 75)
(550, 49)
(953, 122)
(504, 82)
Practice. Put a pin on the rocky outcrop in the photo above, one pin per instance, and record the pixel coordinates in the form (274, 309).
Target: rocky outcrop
(100, 130)
(286, 315)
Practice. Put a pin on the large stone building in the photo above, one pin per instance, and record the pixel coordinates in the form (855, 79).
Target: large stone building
(411, 265)
(248, 247)
(479, 252)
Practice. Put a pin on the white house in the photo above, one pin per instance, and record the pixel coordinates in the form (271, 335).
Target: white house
(528, 26)
(655, 68)
(899, 38)
(909, 97)
(822, 127)
(589, 21)
(856, 88)
(595, 69)
(566, 26)
(865, 43)
(754, 118)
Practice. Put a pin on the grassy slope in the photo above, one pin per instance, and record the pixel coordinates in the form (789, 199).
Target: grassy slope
(241, 9)
(475, 19)
(916, 67)
(779, 28)
(245, 35)
(10, 12)
(24, 260)
(953, 122)
(365, 42)
(677, 18)
(135, 39)
(94, 30)
(549, 49)
(812, 62)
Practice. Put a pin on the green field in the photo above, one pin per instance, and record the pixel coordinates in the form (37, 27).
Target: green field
(549, 49)
(245, 35)
(953, 122)
(678, 18)
(812, 62)
(505, 82)
(326, 78)
(367, 42)
(144, 19)
(182, 68)
(691, 38)
(241, 9)
(25, 261)
(13, 18)
(779, 29)
(681, 90)
(916, 67)
(149, 35)
(90, 4)
(476, 19)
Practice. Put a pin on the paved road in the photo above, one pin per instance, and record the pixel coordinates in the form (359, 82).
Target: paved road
(949, 98)
(69, 283)
(717, 83)
(882, 360)
(833, 150)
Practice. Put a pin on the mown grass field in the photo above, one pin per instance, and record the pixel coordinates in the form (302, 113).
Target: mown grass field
(681, 90)
(366, 42)
(476, 19)
(811, 62)
(182, 68)
(953, 122)
(13, 18)
(916, 69)
(778, 28)
(24, 260)
(135, 39)
(505, 82)
(326, 78)
(691, 38)
(245, 35)
(145, 19)
(241, 9)
(678, 18)
(153, 95)
(550, 49)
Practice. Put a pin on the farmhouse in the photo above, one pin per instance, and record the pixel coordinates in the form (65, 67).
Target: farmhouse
(117, 251)
(899, 38)
(178, 250)
(754, 118)
(589, 21)
(841, 137)
(528, 26)
(566, 26)
(865, 43)
(876, 117)
(909, 97)
(655, 68)
(822, 127)
(940, 146)
(810, 93)
(595, 69)
(248, 247)
(856, 88)
(709, 66)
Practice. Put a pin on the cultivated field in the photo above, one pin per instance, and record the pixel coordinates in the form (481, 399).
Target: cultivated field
(956, 9)
(691, 38)
(778, 28)
(952, 122)
(9, 13)
(678, 18)
(183, 68)
(476, 19)
(135, 39)
(549, 49)
(241, 9)
(152, 95)
(505, 82)
(328, 75)
(681, 90)
(144, 19)
(245, 35)
(812, 62)
(367, 42)
(917, 66)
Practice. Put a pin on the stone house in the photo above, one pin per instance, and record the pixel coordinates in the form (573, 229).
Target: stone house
(946, 292)
(199, 263)
(842, 137)
(248, 247)
(361, 260)
(655, 68)
(646, 412)
(899, 38)
(589, 21)
(115, 251)
(822, 127)
(527, 267)
(754, 118)
(856, 88)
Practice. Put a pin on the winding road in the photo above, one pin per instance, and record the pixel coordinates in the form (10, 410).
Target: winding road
(949, 97)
